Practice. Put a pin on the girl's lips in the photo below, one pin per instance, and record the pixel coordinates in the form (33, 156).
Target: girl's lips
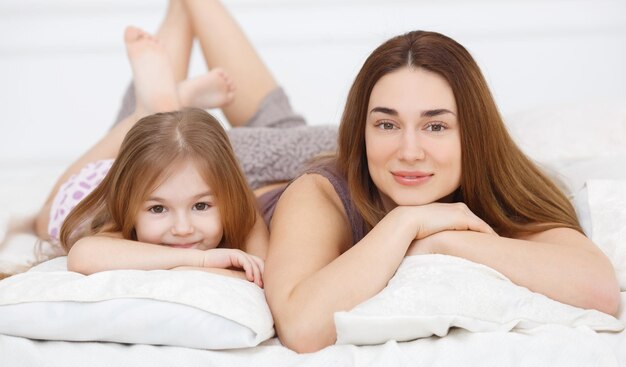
(411, 178)
(183, 245)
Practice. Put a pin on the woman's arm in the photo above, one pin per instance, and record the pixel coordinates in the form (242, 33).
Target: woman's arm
(560, 263)
(258, 240)
(110, 252)
(312, 271)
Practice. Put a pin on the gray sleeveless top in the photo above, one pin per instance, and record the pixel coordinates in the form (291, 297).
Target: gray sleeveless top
(267, 202)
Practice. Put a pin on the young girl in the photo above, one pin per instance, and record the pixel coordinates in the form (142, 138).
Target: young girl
(174, 197)
(174, 193)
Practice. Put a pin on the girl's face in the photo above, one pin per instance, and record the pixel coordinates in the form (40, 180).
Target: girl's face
(412, 138)
(182, 212)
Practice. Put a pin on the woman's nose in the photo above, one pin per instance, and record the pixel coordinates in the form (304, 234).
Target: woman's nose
(410, 148)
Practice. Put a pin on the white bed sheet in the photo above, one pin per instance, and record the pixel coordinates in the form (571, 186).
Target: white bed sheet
(551, 345)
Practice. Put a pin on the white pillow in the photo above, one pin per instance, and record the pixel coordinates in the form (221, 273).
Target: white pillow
(607, 209)
(429, 294)
(180, 308)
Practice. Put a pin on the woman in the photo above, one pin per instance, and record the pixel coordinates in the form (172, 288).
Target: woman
(424, 165)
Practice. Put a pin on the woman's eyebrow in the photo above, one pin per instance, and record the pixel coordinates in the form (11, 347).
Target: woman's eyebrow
(385, 110)
(436, 112)
(426, 113)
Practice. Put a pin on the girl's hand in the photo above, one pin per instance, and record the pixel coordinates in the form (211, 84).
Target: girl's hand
(437, 217)
(231, 258)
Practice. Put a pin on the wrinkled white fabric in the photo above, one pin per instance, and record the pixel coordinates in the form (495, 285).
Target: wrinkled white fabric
(429, 294)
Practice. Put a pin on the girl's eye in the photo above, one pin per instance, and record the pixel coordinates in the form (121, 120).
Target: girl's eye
(201, 206)
(385, 125)
(157, 209)
(436, 127)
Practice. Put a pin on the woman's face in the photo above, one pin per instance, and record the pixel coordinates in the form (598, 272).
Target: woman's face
(412, 138)
(181, 212)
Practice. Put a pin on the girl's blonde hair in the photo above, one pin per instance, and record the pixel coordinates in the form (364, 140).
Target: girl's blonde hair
(150, 150)
(499, 183)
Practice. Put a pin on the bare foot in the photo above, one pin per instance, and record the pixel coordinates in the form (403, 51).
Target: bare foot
(155, 86)
(211, 90)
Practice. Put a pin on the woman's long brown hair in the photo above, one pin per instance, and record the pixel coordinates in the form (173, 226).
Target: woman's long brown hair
(498, 183)
(149, 152)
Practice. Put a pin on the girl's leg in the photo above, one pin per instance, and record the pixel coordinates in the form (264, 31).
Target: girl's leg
(156, 91)
(266, 155)
(268, 152)
(176, 36)
(225, 45)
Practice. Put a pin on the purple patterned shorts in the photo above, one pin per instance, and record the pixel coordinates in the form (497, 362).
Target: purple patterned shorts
(73, 191)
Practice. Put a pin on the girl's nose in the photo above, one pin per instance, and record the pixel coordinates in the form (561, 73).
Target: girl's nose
(182, 226)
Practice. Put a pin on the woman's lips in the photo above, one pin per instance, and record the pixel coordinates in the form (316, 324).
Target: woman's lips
(411, 178)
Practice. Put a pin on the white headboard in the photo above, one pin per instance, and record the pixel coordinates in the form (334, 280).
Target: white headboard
(63, 66)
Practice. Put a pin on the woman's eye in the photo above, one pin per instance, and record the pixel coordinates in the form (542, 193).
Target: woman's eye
(436, 127)
(386, 126)
(157, 209)
(201, 206)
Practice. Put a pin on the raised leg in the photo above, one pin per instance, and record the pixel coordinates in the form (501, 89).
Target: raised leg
(155, 85)
(225, 45)
(176, 36)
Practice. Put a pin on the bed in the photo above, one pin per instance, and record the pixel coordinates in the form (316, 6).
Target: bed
(436, 311)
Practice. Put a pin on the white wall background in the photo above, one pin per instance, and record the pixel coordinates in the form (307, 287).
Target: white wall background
(63, 66)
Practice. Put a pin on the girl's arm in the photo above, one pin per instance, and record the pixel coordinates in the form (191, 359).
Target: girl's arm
(312, 271)
(560, 263)
(110, 252)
